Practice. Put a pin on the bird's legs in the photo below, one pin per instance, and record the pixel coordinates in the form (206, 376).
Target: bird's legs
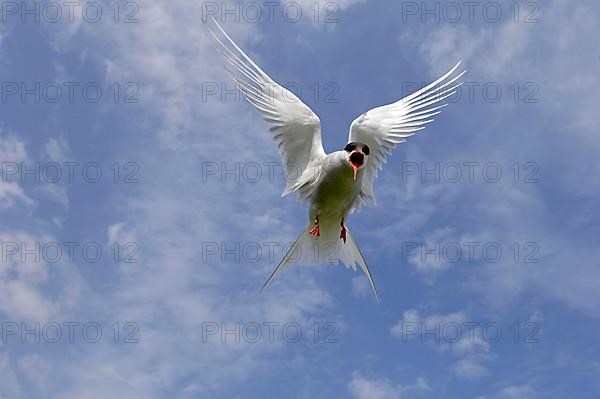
(343, 232)
(315, 232)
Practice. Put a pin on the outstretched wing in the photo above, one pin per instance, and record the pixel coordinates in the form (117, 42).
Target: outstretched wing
(296, 129)
(384, 127)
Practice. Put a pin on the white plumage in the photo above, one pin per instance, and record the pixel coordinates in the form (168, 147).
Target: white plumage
(338, 183)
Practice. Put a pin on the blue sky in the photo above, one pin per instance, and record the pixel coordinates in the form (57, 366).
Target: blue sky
(173, 280)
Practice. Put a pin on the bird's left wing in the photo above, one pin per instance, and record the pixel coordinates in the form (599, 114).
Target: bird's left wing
(296, 128)
(384, 127)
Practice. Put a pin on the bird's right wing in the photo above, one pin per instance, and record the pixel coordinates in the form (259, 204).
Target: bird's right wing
(296, 129)
(384, 127)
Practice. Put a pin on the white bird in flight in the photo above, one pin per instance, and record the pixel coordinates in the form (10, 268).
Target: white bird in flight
(338, 183)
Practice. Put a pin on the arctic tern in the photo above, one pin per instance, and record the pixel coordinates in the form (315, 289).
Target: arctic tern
(338, 183)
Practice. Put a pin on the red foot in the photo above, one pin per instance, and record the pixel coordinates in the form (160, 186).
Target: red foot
(315, 231)
(343, 234)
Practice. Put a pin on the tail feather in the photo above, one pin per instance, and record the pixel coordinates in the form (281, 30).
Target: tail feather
(285, 262)
(358, 257)
(325, 249)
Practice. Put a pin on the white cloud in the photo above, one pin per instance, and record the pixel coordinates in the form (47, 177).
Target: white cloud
(361, 286)
(440, 250)
(9, 383)
(23, 271)
(508, 51)
(12, 152)
(517, 392)
(36, 369)
(57, 149)
(11, 193)
(55, 192)
(12, 148)
(469, 369)
(361, 388)
(452, 333)
(382, 388)
(119, 233)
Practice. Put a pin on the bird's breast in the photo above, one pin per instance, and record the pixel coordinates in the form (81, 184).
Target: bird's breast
(336, 189)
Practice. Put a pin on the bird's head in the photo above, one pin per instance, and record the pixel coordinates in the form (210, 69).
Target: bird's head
(357, 155)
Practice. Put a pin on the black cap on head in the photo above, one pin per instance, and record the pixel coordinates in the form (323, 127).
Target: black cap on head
(352, 146)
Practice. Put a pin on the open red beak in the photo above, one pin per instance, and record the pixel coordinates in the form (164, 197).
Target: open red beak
(357, 160)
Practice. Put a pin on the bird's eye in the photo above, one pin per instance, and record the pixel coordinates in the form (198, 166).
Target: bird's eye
(349, 147)
(366, 149)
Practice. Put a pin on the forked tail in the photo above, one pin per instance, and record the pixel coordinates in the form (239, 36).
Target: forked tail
(325, 249)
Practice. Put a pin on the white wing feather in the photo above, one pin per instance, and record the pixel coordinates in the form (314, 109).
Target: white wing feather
(296, 129)
(384, 127)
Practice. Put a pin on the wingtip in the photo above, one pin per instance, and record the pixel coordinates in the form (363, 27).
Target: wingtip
(459, 63)
(259, 295)
(214, 21)
(262, 289)
(375, 292)
(455, 67)
(208, 22)
(268, 282)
